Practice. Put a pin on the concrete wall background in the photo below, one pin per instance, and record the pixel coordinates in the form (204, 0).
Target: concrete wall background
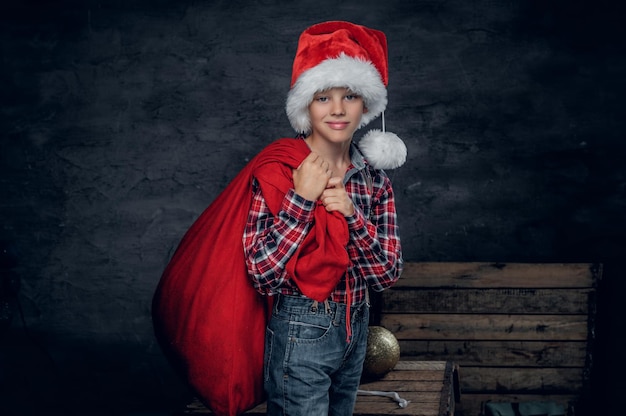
(122, 120)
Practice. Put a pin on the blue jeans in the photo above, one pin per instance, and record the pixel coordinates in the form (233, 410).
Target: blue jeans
(310, 367)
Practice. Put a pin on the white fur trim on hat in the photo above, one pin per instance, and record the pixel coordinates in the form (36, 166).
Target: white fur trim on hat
(358, 75)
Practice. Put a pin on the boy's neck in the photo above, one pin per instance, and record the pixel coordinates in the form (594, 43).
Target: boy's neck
(334, 153)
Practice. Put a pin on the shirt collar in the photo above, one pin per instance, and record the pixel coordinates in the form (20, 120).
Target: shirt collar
(356, 157)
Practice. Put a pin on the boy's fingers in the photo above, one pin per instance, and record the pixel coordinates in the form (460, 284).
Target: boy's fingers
(311, 157)
(335, 182)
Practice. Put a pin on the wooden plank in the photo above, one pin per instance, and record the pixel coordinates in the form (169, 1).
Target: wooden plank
(494, 353)
(422, 386)
(419, 405)
(487, 327)
(520, 380)
(499, 275)
(487, 300)
(451, 392)
(434, 365)
(385, 406)
(471, 404)
(389, 404)
(430, 376)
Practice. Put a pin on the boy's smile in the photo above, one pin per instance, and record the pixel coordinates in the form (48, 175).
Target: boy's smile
(338, 125)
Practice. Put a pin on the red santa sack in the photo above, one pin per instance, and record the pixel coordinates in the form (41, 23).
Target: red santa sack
(208, 318)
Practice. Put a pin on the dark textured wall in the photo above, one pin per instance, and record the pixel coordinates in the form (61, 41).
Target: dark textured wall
(122, 120)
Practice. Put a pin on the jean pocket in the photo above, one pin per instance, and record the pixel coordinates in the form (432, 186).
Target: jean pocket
(309, 327)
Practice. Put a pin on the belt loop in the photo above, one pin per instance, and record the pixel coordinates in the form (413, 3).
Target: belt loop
(277, 302)
(327, 306)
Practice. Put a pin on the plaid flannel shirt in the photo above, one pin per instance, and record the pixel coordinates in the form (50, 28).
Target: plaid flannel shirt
(374, 248)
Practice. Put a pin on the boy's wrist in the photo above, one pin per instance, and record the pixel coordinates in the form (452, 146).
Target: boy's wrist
(297, 207)
(356, 221)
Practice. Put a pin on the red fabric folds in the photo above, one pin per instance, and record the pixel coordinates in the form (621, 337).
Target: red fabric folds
(207, 317)
(321, 260)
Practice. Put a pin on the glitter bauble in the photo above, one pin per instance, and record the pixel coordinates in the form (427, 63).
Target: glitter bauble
(383, 352)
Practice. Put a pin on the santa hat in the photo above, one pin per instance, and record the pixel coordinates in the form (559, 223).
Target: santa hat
(342, 54)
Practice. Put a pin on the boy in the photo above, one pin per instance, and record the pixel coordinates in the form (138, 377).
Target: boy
(322, 223)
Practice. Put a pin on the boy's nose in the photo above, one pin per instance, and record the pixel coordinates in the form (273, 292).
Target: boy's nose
(337, 107)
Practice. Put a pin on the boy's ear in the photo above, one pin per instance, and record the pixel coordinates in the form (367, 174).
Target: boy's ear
(365, 110)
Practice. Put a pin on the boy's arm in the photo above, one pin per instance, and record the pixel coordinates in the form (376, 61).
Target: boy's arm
(269, 242)
(378, 253)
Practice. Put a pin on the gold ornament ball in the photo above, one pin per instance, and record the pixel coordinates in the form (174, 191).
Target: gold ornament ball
(383, 352)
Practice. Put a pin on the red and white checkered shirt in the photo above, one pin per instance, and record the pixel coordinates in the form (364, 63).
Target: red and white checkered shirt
(374, 248)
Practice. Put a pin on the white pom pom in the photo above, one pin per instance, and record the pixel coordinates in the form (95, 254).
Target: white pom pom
(383, 150)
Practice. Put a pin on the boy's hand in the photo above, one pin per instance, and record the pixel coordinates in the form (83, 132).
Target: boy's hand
(335, 197)
(311, 177)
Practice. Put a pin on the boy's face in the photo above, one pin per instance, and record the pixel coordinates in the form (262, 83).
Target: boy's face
(336, 114)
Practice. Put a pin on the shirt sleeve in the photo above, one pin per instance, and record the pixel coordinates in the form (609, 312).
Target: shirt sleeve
(269, 242)
(377, 250)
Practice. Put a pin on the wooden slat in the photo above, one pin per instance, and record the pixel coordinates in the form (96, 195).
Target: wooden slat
(499, 275)
(486, 327)
(421, 366)
(429, 386)
(518, 380)
(486, 300)
(495, 353)
(425, 375)
(420, 404)
(389, 404)
(429, 371)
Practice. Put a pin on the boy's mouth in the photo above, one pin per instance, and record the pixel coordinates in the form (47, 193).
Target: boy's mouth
(337, 125)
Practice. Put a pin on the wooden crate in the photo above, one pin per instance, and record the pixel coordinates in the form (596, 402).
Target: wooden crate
(430, 387)
(519, 332)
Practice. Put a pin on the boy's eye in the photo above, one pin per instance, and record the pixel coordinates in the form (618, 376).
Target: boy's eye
(350, 97)
(321, 98)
